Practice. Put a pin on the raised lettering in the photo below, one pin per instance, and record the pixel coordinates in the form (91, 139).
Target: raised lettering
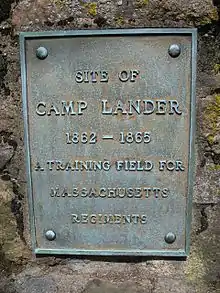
(40, 113)
(67, 108)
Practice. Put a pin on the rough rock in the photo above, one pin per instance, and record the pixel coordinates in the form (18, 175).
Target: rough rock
(6, 153)
(20, 271)
(33, 14)
(12, 248)
(5, 8)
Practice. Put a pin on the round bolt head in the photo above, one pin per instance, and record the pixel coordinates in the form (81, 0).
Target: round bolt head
(41, 53)
(170, 238)
(174, 50)
(50, 235)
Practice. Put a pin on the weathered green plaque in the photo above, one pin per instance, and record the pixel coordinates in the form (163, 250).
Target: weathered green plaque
(109, 133)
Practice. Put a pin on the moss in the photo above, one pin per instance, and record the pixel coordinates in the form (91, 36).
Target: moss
(211, 139)
(119, 20)
(59, 3)
(210, 17)
(211, 119)
(141, 3)
(195, 270)
(91, 8)
(214, 168)
(217, 68)
(214, 14)
(205, 20)
(198, 267)
(201, 266)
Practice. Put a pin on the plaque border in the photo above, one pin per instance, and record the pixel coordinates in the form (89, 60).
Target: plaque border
(23, 36)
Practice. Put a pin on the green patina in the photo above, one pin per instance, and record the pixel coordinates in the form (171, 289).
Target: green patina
(211, 118)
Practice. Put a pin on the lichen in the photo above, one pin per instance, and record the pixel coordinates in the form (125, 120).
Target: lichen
(195, 270)
(210, 17)
(205, 20)
(91, 8)
(214, 167)
(214, 14)
(141, 3)
(211, 119)
(60, 3)
(216, 68)
(119, 20)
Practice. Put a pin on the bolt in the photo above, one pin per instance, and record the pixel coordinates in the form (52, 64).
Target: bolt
(41, 53)
(174, 50)
(170, 237)
(50, 235)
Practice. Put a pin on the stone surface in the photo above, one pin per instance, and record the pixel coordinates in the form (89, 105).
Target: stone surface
(108, 277)
(12, 248)
(33, 14)
(20, 271)
(98, 286)
(38, 284)
(6, 153)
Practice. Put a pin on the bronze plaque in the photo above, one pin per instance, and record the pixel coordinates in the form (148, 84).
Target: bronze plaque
(109, 132)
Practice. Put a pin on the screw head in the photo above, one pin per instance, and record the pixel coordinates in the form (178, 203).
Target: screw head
(41, 53)
(174, 50)
(50, 235)
(170, 237)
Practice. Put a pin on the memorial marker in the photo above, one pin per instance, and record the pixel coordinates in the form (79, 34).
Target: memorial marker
(109, 132)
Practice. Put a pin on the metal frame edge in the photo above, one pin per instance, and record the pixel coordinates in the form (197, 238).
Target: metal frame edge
(165, 253)
(135, 31)
(191, 169)
(26, 140)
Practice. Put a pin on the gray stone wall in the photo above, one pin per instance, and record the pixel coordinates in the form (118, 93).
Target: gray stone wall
(20, 270)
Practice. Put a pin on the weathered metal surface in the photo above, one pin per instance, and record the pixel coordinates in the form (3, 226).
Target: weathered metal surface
(109, 131)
